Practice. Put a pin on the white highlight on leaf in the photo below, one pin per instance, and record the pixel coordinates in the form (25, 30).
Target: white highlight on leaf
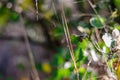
(115, 33)
(67, 65)
(107, 39)
(104, 49)
(116, 37)
(94, 56)
(81, 29)
(86, 53)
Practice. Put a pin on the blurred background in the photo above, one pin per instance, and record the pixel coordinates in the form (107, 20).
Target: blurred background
(36, 27)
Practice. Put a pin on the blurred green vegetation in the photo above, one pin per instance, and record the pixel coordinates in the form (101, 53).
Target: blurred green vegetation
(60, 66)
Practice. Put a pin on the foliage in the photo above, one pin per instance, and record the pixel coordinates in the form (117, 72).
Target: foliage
(101, 44)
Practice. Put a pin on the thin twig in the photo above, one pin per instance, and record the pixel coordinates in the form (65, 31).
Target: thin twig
(87, 69)
(86, 14)
(67, 34)
(97, 35)
(30, 54)
(92, 6)
(36, 4)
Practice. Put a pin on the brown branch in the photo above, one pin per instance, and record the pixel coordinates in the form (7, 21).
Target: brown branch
(98, 35)
(30, 54)
(67, 34)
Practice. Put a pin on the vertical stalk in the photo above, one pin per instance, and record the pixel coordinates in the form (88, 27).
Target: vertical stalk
(36, 5)
(67, 35)
(30, 54)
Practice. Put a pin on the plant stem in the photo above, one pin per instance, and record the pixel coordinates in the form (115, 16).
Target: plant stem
(30, 54)
(67, 34)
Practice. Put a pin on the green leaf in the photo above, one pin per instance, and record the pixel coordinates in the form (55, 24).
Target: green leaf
(14, 16)
(4, 16)
(117, 3)
(83, 44)
(58, 32)
(84, 24)
(75, 39)
(118, 27)
(38, 66)
(97, 22)
(84, 60)
(82, 70)
(78, 54)
(57, 60)
(62, 73)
